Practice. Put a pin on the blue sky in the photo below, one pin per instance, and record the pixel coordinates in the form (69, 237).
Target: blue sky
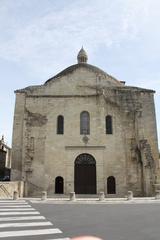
(40, 38)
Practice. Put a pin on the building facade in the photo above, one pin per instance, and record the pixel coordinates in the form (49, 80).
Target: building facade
(5, 161)
(85, 131)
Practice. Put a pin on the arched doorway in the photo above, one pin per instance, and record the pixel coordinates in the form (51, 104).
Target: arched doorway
(111, 185)
(59, 185)
(85, 174)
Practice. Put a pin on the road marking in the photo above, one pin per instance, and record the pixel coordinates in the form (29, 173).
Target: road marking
(21, 218)
(19, 213)
(12, 201)
(26, 224)
(10, 207)
(19, 209)
(15, 206)
(30, 232)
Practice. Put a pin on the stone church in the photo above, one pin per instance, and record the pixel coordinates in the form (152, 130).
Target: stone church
(85, 131)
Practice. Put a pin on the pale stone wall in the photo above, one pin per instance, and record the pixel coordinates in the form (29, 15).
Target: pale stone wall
(7, 189)
(40, 155)
(17, 138)
(51, 150)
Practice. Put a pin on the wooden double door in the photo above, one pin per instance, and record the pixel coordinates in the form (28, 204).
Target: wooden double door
(85, 174)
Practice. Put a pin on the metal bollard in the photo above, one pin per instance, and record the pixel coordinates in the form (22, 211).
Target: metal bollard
(130, 195)
(72, 196)
(157, 196)
(101, 196)
(44, 195)
(15, 195)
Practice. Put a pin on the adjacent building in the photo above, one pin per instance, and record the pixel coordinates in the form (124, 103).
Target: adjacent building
(5, 161)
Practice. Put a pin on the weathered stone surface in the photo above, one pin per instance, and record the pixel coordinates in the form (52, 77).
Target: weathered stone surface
(35, 119)
(7, 189)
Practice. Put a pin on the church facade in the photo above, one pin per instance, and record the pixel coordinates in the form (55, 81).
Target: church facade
(85, 131)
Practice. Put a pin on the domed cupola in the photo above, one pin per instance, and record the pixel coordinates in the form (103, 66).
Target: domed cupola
(82, 56)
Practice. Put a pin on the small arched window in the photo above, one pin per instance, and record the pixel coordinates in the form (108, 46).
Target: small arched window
(109, 129)
(111, 185)
(84, 123)
(60, 124)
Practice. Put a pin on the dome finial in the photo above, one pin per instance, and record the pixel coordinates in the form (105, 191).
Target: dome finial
(82, 56)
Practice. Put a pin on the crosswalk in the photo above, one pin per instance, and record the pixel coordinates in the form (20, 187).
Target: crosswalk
(19, 219)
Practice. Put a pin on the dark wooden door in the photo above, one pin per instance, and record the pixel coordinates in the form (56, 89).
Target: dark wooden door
(59, 185)
(85, 174)
(111, 185)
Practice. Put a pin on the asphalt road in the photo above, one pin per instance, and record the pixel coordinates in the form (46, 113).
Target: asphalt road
(110, 221)
(107, 221)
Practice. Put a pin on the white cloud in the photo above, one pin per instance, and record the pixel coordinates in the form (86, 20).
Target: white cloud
(57, 34)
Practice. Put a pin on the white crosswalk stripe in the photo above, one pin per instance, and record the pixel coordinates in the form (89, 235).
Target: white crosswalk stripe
(11, 225)
(19, 209)
(15, 206)
(19, 213)
(15, 201)
(30, 232)
(26, 224)
(21, 218)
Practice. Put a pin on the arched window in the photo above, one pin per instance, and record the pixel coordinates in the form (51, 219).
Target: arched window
(84, 123)
(59, 185)
(111, 185)
(60, 124)
(109, 129)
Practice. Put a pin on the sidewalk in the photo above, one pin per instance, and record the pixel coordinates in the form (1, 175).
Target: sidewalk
(150, 200)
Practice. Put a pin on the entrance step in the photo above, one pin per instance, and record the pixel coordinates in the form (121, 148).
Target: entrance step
(77, 196)
(86, 195)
